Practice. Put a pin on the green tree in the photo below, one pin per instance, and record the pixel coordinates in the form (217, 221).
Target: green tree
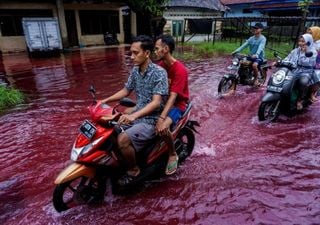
(150, 13)
(304, 6)
(149, 7)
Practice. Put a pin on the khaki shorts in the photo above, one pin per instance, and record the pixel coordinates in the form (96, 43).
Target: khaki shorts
(141, 135)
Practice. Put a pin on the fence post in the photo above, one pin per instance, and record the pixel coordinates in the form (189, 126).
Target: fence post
(214, 32)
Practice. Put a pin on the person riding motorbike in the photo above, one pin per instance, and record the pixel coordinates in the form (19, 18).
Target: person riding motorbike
(305, 65)
(178, 97)
(315, 79)
(256, 44)
(150, 84)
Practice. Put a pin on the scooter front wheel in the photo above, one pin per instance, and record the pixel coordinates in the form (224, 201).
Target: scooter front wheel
(81, 190)
(269, 111)
(227, 85)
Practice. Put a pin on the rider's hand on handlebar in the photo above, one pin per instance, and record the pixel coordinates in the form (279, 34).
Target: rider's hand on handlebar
(101, 101)
(303, 48)
(234, 53)
(126, 119)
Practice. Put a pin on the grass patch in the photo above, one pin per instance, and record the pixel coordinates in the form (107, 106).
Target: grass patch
(10, 97)
(198, 50)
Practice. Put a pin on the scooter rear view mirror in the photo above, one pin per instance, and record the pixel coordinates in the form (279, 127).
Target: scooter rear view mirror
(92, 91)
(127, 102)
(309, 54)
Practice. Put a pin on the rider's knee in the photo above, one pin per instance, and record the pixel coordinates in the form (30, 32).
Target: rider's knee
(303, 81)
(123, 140)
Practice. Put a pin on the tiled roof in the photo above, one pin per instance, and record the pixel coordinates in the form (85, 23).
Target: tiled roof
(207, 4)
(265, 3)
(234, 2)
(281, 5)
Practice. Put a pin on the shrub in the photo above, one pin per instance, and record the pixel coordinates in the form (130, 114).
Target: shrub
(10, 97)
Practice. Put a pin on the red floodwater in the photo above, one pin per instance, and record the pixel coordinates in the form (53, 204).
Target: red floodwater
(242, 171)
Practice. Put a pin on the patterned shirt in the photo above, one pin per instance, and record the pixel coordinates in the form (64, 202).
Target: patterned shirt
(153, 81)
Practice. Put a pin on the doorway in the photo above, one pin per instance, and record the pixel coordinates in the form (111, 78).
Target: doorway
(71, 28)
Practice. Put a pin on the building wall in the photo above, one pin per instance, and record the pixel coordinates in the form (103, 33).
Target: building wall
(17, 43)
(175, 15)
(13, 44)
(238, 11)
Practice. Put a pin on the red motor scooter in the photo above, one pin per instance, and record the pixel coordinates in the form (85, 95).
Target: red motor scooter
(96, 158)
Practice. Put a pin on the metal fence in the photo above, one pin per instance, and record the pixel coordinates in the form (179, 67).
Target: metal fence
(277, 29)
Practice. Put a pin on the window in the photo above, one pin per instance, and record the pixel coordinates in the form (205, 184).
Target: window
(99, 22)
(10, 20)
(246, 11)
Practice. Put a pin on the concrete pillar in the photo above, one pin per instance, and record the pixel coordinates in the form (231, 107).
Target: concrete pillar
(133, 23)
(62, 23)
(76, 14)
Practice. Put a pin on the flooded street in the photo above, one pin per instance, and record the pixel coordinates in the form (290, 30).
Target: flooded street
(242, 171)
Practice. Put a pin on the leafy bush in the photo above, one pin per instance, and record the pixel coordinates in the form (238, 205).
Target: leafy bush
(9, 97)
(207, 49)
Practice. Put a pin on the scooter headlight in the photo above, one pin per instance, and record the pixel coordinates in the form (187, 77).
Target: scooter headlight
(77, 152)
(278, 77)
(235, 61)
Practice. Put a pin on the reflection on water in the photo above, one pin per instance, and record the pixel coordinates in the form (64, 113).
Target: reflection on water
(242, 171)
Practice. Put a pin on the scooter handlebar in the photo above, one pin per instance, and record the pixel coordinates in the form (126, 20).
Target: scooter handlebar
(112, 123)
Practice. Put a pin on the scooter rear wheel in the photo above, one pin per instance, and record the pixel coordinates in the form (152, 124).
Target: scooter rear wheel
(184, 143)
(227, 85)
(268, 111)
(263, 76)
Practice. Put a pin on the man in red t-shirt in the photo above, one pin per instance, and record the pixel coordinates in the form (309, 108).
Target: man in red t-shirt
(178, 95)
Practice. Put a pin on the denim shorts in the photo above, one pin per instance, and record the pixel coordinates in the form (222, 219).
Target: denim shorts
(256, 60)
(175, 115)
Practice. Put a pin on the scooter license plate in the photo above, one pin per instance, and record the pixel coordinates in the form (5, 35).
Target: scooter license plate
(274, 89)
(88, 129)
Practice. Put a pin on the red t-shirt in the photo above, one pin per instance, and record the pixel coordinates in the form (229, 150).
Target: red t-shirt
(178, 83)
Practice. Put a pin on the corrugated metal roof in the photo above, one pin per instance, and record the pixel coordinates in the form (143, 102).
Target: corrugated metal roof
(206, 4)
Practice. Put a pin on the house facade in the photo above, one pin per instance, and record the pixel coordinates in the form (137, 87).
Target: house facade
(81, 22)
(271, 8)
(180, 12)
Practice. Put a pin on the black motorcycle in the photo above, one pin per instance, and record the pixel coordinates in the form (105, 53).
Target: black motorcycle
(241, 72)
(110, 39)
(282, 92)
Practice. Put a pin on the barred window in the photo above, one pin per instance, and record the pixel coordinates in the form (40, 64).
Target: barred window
(99, 22)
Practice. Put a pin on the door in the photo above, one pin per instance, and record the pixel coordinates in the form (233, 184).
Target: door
(34, 35)
(52, 33)
(177, 28)
(127, 27)
(71, 28)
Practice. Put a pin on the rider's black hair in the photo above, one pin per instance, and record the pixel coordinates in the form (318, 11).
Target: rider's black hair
(168, 40)
(146, 42)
